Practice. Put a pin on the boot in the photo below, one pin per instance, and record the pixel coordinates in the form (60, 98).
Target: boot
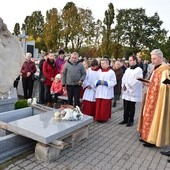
(56, 106)
(49, 104)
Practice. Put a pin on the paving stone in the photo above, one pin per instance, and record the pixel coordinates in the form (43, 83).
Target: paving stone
(135, 167)
(30, 166)
(153, 166)
(74, 164)
(146, 163)
(81, 165)
(110, 146)
(128, 165)
(108, 166)
(94, 162)
(38, 167)
(101, 164)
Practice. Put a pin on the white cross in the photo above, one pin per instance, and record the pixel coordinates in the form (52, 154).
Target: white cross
(23, 36)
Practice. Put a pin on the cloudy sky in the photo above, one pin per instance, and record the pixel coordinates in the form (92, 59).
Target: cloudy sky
(15, 11)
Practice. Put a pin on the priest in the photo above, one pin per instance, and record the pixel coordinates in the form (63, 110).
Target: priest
(154, 121)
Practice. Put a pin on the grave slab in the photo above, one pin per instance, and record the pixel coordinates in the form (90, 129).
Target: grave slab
(44, 128)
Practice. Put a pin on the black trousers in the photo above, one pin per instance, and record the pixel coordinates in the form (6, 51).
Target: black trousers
(73, 91)
(27, 84)
(41, 93)
(48, 96)
(129, 111)
(56, 97)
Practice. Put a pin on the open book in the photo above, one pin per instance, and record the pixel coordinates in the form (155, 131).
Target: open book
(166, 81)
(143, 80)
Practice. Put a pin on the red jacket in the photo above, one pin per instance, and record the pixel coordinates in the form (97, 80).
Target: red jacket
(49, 72)
(28, 66)
(57, 87)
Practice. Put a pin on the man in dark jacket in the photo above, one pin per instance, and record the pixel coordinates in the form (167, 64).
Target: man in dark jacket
(41, 81)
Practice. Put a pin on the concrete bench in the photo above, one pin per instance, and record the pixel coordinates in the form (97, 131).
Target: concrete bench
(12, 144)
(64, 99)
(52, 136)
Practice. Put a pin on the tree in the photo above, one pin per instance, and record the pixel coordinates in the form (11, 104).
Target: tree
(166, 49)
(98, 33)
(16, 29)
(137, 31)
(34, 24)
(52, 30)
(86, 28)
(107, 30)
(71, 23)
(155, 36)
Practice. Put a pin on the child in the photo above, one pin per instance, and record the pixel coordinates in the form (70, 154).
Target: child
(89, 101)
(104, 91)
(56, 89)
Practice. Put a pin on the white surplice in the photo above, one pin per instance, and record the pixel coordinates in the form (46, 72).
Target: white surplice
(133, 86)
(91, 77)
(106, 92)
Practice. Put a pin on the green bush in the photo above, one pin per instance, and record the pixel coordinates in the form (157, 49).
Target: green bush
(21, 104)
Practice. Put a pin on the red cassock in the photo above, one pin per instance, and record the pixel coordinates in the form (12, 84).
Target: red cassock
(89, 107)
(103, 109)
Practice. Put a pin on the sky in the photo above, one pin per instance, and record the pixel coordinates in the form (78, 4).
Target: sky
(16, 11)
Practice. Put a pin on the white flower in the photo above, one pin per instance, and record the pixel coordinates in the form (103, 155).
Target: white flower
(31, 101)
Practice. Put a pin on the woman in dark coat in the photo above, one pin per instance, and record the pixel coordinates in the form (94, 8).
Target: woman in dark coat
(28, 69)
(117, 88)
(49, 71)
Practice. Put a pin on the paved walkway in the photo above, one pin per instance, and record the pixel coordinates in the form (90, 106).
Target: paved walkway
(110, 146)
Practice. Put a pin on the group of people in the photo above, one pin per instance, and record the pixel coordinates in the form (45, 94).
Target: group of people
(50, 78)
(154, 120)
(99, 90)
(154, 92)
(99, 83)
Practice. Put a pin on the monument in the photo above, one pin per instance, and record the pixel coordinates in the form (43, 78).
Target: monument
(11, 58)
(28, 46)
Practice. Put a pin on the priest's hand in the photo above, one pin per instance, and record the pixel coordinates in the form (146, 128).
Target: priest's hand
(145, 84)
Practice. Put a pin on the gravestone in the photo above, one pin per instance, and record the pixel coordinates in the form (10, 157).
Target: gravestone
(13, 144)
(7, 101)
(52, 135)
(11, 59)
